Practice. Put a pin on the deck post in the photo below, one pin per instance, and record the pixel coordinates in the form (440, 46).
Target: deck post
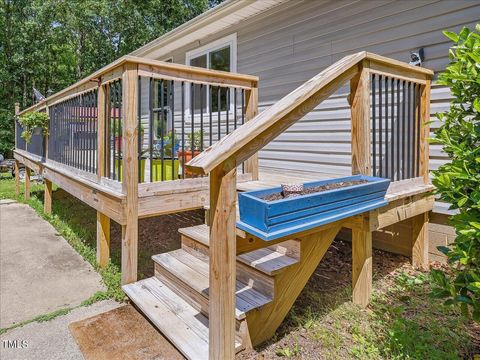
(103, 239)
(425, 131)
(360, 113)
(251, 97)
(130, 172)
(47, 197)
(362, 263)
(420, 241)
(17, 177)
(223, 198)
(27, 183)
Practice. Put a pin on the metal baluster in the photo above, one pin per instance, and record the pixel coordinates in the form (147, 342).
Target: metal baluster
(409, 128)
(227, 100)
(201, 117)
(139, 128)
(380, 125)
(392, 123)
(210, 106)
(174, 137)
(218, 112)
(374, 127)
(150, 128)
(183, 129)
(162, 131)
(398, 130)
(192, 111)
(419, 127)
(386, 129)
(235, 108)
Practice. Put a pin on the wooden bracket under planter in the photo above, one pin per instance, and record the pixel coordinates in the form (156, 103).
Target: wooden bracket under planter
(270, 220)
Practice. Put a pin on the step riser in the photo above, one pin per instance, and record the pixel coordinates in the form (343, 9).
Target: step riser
(192, 297)
(246, 274)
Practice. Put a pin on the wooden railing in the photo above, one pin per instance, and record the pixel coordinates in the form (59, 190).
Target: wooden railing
(368, 146)
(179, 111)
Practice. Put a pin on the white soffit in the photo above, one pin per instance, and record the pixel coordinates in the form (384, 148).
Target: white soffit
(220, 17)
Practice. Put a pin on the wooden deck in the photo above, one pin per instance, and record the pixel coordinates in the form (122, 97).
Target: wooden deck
(226, 290)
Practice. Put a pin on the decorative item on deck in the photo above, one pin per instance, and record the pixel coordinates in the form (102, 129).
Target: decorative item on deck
(277, 212)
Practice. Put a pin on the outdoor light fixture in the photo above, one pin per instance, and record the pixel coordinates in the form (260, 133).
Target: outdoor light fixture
(417, 58)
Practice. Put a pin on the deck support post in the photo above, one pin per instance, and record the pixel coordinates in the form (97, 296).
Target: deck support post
(130, 172)
(223, 198)
(17, 177)
(47, 197)
(420, 241)
(103, 239)
(251, 97)
(360, 113)
(27, 183)
(362, 264)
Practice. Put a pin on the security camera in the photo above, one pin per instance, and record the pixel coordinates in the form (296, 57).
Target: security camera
(416, 58)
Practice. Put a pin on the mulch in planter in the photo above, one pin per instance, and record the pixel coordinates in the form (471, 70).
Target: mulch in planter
(314, 189)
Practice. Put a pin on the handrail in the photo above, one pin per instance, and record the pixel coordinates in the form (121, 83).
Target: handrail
(147, 67)
(255, 134)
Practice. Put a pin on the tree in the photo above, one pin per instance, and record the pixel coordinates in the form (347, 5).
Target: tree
(458, 181)
(50, 44)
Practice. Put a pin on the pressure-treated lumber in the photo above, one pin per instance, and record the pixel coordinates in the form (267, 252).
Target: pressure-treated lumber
(420, 241)
(47, 198)
(103, 239)
(17, 177)
(153, 67)
(360, 110)
(251, 96)
(425, 131)
(362, 264)
(130, 173)
(27, 183)
(223, 199)
(253, 135)
(289, 284)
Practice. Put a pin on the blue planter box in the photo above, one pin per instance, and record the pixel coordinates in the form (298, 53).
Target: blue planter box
(270, 220)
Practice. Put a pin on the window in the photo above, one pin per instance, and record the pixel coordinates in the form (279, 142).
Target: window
(219, 55)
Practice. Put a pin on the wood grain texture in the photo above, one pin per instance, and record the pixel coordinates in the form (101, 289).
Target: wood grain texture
(103, 239)
(420, 241)
(26, 193)
(360, 114)
(47, 198)
(288, 285)
(362, 264)
(17, 177)
(130, 173)
(251, 96)
(425, 131)
(222, 254)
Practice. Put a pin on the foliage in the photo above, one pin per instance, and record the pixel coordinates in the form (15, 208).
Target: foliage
(195, 140)
(458, 181)
(50, 44)
(32, 120)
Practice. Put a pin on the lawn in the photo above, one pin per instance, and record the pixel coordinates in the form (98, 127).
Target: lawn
(402, 321)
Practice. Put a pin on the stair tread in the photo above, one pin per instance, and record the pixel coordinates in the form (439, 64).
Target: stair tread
(184, 326)
(266, 260)
(195, 272)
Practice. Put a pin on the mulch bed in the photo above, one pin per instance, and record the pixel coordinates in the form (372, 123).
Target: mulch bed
(315, 189)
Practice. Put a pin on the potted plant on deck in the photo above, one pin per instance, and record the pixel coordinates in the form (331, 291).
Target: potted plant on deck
(34, 123)
(192, 149)
(170, 164)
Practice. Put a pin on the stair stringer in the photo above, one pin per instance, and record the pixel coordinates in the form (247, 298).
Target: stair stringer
(288, 285)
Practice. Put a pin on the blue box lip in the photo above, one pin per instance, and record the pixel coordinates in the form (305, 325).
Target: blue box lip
(254, 194)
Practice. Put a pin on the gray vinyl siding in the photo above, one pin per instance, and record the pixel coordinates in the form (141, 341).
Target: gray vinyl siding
(293, 42)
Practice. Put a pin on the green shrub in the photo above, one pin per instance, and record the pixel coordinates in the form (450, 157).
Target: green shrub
(458, 181)
(32, 120)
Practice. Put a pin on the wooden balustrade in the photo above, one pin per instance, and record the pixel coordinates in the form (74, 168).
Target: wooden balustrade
(221, 159)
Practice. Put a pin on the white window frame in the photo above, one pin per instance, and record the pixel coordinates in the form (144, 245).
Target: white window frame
(230, 40)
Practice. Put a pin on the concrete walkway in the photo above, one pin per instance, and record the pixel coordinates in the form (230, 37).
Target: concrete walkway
(40, 273)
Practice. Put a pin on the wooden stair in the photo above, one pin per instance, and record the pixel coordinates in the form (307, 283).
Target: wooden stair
(269, 279)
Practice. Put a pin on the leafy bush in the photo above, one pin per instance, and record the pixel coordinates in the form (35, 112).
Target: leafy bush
(458, 181)
(32, 120)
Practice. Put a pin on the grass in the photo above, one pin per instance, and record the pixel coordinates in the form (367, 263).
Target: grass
(75, 221)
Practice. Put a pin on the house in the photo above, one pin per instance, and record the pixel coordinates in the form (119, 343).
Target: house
(174, 126)
(286, 42)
